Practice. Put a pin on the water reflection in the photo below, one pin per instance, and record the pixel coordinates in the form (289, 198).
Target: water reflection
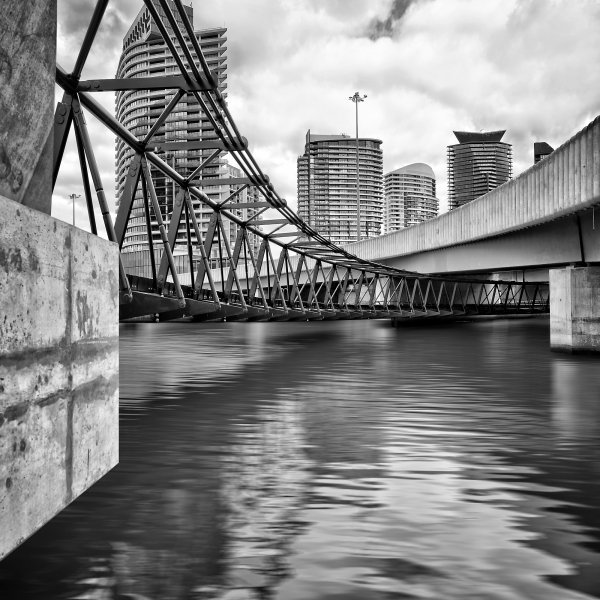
(337, 461)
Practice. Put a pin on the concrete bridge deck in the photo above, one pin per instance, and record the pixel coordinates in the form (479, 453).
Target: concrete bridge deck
(563, 185)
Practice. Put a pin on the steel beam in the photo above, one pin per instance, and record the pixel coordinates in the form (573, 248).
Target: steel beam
(160, 82)
(232, 196)
(86, 182)
(163, 116)
(63, 117)
(127, 198)
(204, 258)
(277, 286)
(95, 172)
(248, 205)
(163, 234)
(174, 225)
(226, 146)
(90, 34)
(201, 166)
(204, 267)
(232, 265)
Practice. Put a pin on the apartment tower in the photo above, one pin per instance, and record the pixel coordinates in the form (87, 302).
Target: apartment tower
(146, 55)
(409, 196)
(541, 150)
(479, 163)
(327, 186)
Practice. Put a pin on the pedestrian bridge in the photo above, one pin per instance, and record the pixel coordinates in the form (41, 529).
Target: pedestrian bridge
(296, 273)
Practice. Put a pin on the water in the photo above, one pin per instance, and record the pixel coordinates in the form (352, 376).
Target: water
(337, 461)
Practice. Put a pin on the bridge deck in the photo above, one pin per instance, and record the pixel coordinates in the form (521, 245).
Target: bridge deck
(406, 298)
(566, 181)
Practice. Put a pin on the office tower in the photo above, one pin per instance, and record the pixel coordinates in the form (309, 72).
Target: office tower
(409, 196)
(327, 186)
(479, 163)
(146, 55)
(541, 150)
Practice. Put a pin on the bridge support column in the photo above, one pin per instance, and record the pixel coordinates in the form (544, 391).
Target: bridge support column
(59, 366)
(575, 309)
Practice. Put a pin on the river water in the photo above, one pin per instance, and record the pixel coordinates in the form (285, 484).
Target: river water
(337, 461)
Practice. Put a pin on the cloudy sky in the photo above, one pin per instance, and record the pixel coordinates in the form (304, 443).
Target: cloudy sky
(428, 67)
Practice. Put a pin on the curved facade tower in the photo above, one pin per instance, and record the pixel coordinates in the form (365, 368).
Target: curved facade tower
(146, 55)
(327, 186)
(409, 196)
(479, 163)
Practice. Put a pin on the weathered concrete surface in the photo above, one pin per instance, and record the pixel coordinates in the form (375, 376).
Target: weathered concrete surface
(575, 309)
(27, 71)
(58, 366)
(565, 182)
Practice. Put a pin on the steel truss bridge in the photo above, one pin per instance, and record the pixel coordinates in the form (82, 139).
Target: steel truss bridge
(297, 274)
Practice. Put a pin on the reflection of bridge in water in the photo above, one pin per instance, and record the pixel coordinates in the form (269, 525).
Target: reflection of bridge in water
(297, 274)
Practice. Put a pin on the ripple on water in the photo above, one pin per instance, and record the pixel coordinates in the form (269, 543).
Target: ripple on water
(304, 461)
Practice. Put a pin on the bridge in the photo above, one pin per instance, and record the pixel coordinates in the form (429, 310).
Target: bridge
(545, 218)
(64, 290)
(307, 276)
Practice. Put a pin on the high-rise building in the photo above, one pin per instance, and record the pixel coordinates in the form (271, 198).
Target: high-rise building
(541, 150)
(146, 55)
(327, 186)
(479, 163)
(409, 196)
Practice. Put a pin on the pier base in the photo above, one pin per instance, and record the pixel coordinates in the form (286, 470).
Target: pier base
(59, 366)
(575, 309)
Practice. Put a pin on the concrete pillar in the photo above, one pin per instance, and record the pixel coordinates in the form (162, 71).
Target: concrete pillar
(27, 72)
(59, 366)
(575, 309)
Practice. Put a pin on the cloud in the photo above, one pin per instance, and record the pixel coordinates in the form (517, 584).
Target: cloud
(428, 66)
(387, 27)
(528, 67)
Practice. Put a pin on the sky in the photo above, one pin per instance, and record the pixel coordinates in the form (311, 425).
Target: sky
(428, 67)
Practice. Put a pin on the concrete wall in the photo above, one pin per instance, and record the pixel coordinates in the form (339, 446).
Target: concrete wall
(58, 366)
(565, 182)
(575, 309)
(27, 70)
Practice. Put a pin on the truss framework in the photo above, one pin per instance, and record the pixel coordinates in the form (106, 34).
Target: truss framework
(309, 278)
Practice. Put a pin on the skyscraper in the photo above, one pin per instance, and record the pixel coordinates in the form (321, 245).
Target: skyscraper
(146, 55)
(327, 186)
(541, 150)
(479, 163)
(409, 196)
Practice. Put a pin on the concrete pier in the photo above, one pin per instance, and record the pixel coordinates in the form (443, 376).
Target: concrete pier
(59, 364)
(27, 68)
(575, 309)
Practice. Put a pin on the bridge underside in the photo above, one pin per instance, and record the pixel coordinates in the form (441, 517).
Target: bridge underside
(526, 254)
(354, 296)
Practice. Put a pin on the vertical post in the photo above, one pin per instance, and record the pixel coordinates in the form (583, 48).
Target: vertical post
(74, 197)
(149, 232)
(189, 242)
(358, 215)
(575, 309)
(356, 99)
(86, 183)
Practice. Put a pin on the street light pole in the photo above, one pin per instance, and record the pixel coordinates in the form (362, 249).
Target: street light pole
(73, 197)
(356, 99)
